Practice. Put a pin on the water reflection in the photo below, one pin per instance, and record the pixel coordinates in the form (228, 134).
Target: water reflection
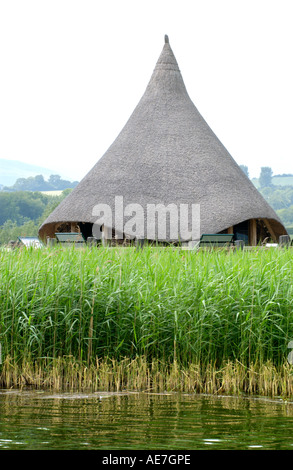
(44, 420)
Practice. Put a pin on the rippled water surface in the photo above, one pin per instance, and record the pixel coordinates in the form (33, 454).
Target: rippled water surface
(45, 420)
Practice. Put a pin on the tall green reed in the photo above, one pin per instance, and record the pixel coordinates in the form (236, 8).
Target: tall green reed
(167, 304)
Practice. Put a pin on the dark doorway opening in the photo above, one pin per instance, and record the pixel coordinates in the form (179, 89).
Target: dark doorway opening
(241, 231)
(86, 229)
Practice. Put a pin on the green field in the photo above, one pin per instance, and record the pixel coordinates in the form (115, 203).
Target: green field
(276, 180)
(282, 180)
(168, 307)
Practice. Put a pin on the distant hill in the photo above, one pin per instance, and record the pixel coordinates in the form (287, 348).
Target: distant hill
(11, 170)
(38, 183)
(277, 180)
(283, 180)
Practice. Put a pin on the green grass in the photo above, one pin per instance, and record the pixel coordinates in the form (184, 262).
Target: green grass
(163, 304)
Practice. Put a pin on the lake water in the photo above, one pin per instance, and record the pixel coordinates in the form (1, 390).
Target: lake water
(47, 420)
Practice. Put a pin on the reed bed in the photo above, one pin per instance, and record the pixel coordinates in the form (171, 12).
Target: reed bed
(163, 319)
(141, 375)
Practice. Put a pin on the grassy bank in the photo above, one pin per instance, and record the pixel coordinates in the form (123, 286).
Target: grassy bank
(68, 315)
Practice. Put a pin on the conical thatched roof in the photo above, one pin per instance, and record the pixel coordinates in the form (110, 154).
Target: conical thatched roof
(167, 153)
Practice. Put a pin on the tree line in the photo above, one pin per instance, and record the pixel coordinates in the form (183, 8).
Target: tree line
(23, 212)
(38, 183)
(279, 197)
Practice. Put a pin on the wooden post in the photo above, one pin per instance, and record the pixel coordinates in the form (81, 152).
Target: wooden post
(55, 229)
(284, 240)
(230, 229)
(270, 229)
(239, 244)
(106, 235)
(51, 241)
(74, 227)
(139, 242)
(91, 242)
(252, 232)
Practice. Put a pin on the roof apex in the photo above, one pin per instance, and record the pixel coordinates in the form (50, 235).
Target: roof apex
(167, 60)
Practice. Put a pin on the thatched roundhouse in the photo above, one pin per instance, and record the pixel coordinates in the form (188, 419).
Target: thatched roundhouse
(167, 154)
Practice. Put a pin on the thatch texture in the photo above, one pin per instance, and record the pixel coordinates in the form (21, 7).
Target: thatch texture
(167, 153)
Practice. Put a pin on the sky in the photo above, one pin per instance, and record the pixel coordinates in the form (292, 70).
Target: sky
(72, 72)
